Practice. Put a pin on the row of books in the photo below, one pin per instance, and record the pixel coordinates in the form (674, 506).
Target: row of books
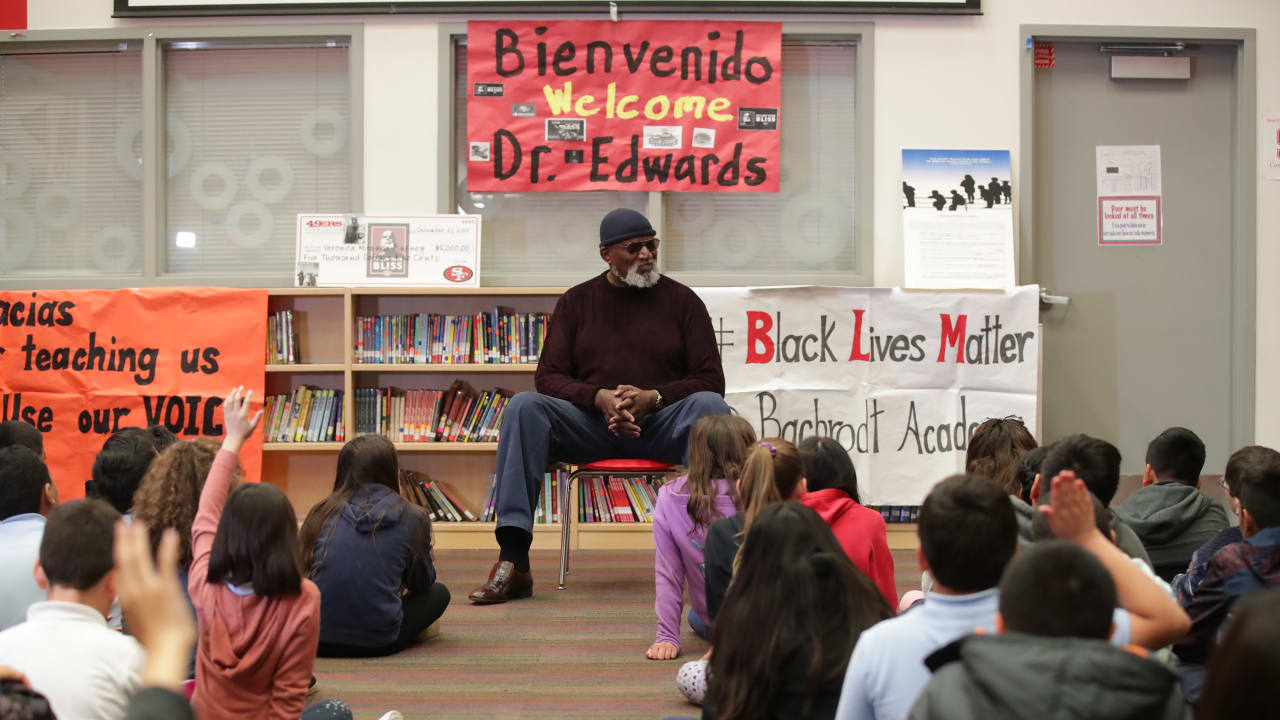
(458, 413)
(547, 509)
(308, 415)
(282, 338)
(900, 513)
(617, 499)
(440, 501)
(497, 337)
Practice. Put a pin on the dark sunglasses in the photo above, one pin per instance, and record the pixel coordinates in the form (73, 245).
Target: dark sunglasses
(634, 247)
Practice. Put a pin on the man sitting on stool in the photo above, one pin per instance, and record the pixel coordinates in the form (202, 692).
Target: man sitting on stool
(629, 364)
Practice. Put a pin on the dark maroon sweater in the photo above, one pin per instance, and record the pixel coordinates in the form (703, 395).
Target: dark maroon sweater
(601, 336)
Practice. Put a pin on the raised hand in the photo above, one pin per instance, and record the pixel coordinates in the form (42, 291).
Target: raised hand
(1071, 515)
(237, 420)
(152, 600)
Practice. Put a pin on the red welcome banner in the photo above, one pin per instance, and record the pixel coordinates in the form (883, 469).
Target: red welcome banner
(13, 14)
(81, 364)
(652, 105)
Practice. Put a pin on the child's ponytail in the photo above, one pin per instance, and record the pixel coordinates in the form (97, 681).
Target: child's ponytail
(771, 473)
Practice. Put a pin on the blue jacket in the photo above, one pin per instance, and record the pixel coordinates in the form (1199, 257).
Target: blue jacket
(377, 545)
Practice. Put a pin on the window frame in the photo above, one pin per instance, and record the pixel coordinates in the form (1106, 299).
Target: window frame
(861, 34)
(154, 142)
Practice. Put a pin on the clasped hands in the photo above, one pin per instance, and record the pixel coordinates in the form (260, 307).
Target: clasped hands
(624, 407)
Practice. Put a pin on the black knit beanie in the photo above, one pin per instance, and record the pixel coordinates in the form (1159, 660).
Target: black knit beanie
(624, 224)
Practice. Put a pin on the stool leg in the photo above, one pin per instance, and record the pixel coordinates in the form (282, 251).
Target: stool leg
(564, 528)
(568, 527)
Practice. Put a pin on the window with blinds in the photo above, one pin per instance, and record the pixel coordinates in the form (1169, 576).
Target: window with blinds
(807, 227)
(70, 184)
(255, 135)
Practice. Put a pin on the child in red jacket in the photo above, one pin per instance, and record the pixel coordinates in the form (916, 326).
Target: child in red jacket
(833, 494)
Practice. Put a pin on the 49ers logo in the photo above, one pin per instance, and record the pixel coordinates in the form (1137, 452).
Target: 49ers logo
(457, 273)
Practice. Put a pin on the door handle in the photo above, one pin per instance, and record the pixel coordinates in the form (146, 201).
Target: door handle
(1047, 301)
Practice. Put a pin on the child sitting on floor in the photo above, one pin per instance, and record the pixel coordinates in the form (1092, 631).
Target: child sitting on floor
(833, 494)
(773, 472)
(258, 618)
(686, 507)
(790, 620)
(369, 552)
(65, 648)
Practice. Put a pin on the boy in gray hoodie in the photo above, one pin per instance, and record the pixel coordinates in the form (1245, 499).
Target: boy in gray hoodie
(1169, 513)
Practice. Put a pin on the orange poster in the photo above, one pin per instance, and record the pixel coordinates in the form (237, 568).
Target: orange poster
(81, 364)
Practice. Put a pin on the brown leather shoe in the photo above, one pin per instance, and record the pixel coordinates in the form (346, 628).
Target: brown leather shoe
(504, 584)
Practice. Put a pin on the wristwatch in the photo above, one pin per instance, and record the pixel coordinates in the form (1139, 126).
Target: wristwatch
(657, 404)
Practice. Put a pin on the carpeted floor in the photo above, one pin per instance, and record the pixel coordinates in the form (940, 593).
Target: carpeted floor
(572, 653)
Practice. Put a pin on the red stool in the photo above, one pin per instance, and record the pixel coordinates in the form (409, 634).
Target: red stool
(601, 468)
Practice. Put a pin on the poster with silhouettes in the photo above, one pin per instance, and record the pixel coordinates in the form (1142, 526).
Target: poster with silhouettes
(636, 105)
(957, 219)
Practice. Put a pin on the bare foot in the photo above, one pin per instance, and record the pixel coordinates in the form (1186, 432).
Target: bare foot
(662, 651)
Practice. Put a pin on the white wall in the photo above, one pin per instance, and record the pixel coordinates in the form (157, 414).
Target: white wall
(401, 152)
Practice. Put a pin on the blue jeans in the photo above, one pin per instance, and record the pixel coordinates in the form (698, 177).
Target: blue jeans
(538, 428)
(699, 625)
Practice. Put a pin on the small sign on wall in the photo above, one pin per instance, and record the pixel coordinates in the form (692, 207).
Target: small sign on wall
(1129, 220)
(1043, 57)
(418, 251)
(1129, 195)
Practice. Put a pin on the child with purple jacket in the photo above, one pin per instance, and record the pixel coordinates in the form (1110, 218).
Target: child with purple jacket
(686, 507)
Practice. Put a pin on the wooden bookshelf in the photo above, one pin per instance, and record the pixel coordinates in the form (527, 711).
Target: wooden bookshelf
(301, 446)
(902, 536)
(452, 368)
(305, 367)
(447, 447)
(325, 323)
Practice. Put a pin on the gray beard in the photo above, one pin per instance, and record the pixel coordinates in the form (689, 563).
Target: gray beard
(636, 279)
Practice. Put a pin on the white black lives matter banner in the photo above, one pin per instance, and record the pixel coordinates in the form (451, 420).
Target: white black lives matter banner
(899, 378)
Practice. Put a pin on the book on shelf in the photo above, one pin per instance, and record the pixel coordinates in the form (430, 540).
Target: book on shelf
(282, 338)
(490, 502)
(900, 513)
(459, 413)
(548, 508)
(620, 504)
(439, 500)
(502, 336)
(309, 414)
